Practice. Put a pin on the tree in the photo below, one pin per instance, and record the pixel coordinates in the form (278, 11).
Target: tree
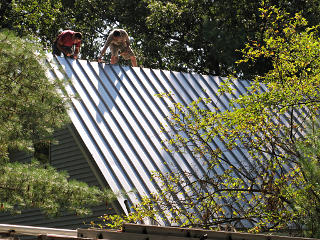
(308, 203)
(42, 19)
(268, 121)
(31, 108)
(199, 36)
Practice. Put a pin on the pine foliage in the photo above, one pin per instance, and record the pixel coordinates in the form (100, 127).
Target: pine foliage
(31, 108)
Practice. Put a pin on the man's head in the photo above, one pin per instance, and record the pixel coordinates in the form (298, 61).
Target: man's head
(77, 37)
(116, 33)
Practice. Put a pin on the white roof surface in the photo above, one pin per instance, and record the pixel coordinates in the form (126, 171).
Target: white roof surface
(118, 117)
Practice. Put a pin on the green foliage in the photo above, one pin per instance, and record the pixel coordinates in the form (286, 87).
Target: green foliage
(140, 212)
(25, 186)
(200, 36)
(308, 201)
(33, 17)
(274, 191)
(31, 108)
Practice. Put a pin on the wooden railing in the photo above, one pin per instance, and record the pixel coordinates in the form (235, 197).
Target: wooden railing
(133, 232)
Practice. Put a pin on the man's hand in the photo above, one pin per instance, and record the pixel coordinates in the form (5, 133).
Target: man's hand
(68, 54)
(75, 56)
(99, 59)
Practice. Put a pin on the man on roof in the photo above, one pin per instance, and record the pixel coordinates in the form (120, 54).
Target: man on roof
(118, 41)
(65, 42)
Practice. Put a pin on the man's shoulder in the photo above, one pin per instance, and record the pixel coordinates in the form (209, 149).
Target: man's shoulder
(66, 32)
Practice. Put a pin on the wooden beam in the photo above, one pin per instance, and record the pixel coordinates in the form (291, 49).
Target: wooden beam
(35, 231)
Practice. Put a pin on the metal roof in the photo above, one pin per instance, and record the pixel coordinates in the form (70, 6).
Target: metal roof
(118, 116)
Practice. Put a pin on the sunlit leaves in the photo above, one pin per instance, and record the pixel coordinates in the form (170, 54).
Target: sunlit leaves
(266, 192)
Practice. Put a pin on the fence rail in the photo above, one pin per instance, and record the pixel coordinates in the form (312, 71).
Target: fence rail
(133, 232)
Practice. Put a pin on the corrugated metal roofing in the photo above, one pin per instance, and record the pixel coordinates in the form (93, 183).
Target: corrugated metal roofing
(118, 116)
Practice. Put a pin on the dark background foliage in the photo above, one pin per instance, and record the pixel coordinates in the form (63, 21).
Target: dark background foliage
(199, 36)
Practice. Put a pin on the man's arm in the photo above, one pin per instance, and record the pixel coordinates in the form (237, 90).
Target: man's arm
(127, 41)
(76, 50)
(106, 45)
